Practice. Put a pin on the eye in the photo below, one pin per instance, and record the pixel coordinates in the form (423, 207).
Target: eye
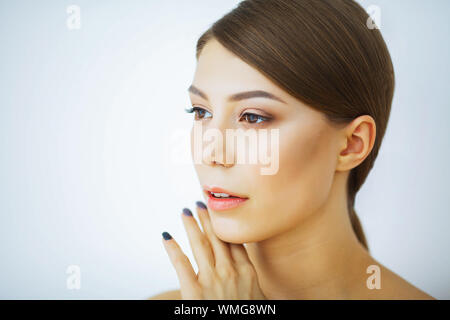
(254, 118)
(199, 112)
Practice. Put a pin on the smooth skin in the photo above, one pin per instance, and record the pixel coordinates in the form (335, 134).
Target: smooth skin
(292, 239)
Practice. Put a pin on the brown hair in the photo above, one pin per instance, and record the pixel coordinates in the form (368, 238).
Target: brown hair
(323, 53)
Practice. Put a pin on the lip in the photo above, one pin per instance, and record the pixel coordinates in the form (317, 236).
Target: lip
(223, 203)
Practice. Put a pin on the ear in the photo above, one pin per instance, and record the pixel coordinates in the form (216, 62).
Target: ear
(358, 139)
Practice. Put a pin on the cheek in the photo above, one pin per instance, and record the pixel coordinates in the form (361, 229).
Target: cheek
(309, 169)
(303, 182)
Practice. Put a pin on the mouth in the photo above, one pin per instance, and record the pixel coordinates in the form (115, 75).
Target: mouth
(220, 199)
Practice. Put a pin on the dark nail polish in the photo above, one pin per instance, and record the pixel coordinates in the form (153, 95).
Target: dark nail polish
(200, 204)
(187, 212)
(166, 236)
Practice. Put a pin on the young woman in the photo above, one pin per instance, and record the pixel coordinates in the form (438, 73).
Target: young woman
(315, 71)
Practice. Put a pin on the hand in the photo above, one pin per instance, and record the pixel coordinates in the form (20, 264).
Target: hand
(225, 271)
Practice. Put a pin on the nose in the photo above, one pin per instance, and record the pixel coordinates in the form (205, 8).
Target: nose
(217, 163)
(214, 159)
(215, 156)
(210, 143)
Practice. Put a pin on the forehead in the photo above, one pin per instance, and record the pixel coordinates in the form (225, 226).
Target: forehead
(220, 73)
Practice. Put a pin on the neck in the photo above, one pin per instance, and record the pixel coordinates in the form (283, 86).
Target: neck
(320, 258)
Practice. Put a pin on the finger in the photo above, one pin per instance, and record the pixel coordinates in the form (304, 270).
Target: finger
(220, 248)
(183, 267)
(201, 248)
(239, 254)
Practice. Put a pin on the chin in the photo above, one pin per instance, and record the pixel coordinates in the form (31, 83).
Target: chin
(237, 233)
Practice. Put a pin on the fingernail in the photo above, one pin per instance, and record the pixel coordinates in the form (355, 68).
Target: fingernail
(166, 236)
(200, 204)
(187, 212)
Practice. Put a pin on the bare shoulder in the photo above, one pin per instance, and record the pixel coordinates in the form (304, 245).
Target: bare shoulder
(394, 287)
(400, 288)
(167, 295)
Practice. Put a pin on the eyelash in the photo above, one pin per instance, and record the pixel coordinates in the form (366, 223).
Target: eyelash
(196, 110)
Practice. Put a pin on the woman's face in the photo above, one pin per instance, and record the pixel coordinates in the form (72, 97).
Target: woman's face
(307, 149)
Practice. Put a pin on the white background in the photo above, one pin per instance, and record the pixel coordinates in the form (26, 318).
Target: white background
(90, 119)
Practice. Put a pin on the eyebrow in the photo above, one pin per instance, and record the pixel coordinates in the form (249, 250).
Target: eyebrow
(238, 96)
